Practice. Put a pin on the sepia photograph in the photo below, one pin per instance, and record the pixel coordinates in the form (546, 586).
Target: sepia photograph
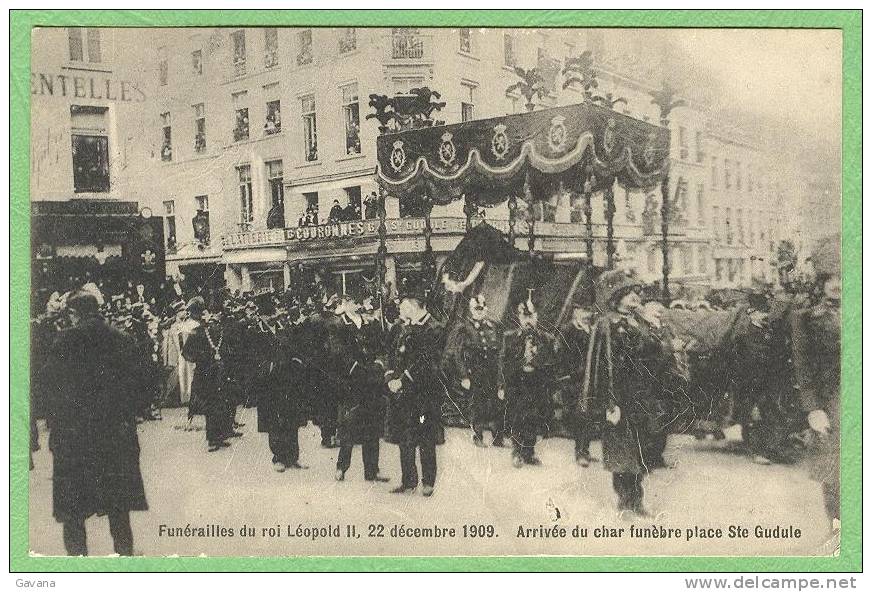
(435, 291)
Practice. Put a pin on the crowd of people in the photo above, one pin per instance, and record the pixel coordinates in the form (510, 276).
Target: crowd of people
(367, 368)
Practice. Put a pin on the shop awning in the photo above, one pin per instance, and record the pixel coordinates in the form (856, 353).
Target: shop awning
(490, 159)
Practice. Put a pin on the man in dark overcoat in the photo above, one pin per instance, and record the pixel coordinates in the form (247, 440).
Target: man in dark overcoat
(572, 348)
(478, 369)
(94, 394)
(358, 376)
(816, 339)
(624, 371)
(279, 409)
(526, 374)
(414, 417)
(213, 347)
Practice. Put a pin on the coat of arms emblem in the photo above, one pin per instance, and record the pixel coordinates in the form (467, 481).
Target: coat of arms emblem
(500, 142)
(398, 156)
(447, 151)
(557, 133)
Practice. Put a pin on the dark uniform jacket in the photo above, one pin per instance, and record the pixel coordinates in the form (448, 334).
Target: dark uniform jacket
(526, 371)
(94, 392)
(358, 375)
(279, 406)
(816, 340)
(414, 415)
(478, 360)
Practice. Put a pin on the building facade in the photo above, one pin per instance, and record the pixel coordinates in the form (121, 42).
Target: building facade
(253, 139)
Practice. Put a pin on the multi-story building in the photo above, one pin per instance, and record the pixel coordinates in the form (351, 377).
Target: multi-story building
(249, 130)
(86, 95)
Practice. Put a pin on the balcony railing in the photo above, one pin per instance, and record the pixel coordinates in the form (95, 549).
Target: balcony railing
(409, 46)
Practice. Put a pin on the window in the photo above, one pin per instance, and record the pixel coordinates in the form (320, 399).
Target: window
(310, 217)
(568, 50)
(740, 225)
(94, 46)
(714, 173)
(310, 128)
(347, 40)
(513, 104)
(750, 181)
(275, 177)
(201, 219)
(271, 47)
(202, 202)
(509, 58)
(738, 176)
(304, 53)
(238, 42)
(197, 62)
(403, 84)
(467, 106)
(90, 149)
(465, 40)
(702, 259)
(273, 122)
(700, 204)
(686, 260)
(682, 142)
(700, 154)
(752, 239)
(170, 224)
(77, 52)
(241, 125)
(351, 116)
(355, 204)
(246, 199)
(407, 43)
(719, 269)
(716, 222)
(199, 127)
(166, 148)
(728, 218)
(727, 175)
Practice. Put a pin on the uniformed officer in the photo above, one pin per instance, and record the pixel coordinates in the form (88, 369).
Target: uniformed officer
(572, 347)
(623, 371)
(358, 376)
(477, 367)
(414, 419)
(526, 372)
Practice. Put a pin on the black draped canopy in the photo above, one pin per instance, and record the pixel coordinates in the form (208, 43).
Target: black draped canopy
(581, 147)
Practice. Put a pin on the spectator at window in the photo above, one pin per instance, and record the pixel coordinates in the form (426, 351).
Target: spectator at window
(335, 212)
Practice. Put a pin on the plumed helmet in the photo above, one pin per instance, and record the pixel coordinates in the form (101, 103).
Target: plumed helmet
(411, 285)
(612, 285)
(826, 258)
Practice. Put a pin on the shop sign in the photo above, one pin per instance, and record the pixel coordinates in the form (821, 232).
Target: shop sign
(85, 87)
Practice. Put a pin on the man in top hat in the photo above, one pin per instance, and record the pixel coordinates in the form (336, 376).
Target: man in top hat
(477, 368)
(414, 418)
(357, 374)
(526, 373)
(816, 341)
(572, 347)
(623, 373)
(212, 348)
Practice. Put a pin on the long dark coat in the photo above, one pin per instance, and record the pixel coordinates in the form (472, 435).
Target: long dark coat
(280, 405)
(359, 380)
(572, 346)
(414, 415)
(528, 396)
(816, 340)
(213, 389)
(94, 392)
(626, 368)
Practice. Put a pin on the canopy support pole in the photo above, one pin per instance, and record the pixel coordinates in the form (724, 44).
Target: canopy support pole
(610, 224)
(664, 229)
(531, 218)
(382, 251)
(588, 223)
(513, 206)
(429, 258)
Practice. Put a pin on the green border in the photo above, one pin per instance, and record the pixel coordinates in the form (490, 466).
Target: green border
(850, 22)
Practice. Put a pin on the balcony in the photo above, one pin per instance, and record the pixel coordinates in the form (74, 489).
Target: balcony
(404, 235)
(408, 47)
